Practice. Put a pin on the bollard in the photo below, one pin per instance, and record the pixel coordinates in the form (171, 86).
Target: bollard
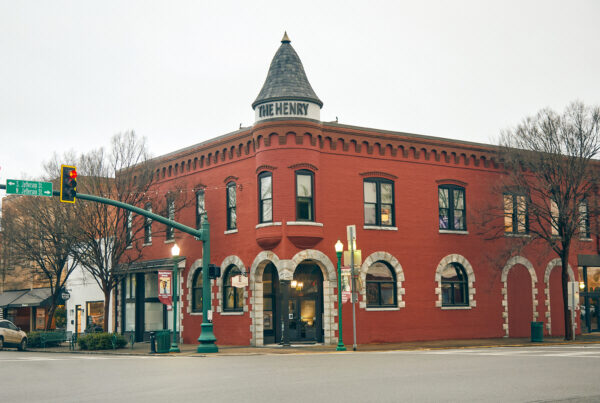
(152, 343)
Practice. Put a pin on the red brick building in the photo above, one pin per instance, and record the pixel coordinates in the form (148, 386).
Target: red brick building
(278, 196)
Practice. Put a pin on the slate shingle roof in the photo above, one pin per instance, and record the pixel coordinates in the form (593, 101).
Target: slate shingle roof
(286, 78)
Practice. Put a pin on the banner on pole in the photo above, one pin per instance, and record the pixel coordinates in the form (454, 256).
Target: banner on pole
(165, 280)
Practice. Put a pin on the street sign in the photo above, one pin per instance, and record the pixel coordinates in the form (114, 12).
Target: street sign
(28, 188)
(65, 295)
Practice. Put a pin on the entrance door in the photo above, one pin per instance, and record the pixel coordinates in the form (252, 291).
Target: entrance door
(590, 313)
(306, 304)
(271, 323)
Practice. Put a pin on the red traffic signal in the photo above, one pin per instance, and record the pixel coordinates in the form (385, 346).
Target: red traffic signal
(68, 183)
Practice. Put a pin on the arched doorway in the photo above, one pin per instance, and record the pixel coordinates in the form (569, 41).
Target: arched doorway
(306, 304)
(520, 304)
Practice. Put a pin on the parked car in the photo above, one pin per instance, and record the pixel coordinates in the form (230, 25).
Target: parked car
(12, 336)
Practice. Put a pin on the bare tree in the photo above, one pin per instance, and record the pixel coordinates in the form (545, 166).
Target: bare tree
(550, 166)
(42, 234)
(110, 239)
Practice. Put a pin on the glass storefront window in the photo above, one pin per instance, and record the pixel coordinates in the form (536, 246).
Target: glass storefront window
(151, 285)
(593, 279)
(95, 313)
(130, 316)
(153, 316)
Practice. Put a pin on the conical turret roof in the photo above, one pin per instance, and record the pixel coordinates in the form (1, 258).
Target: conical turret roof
(286, 78)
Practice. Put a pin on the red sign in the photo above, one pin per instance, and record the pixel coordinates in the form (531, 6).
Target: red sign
(164, 288)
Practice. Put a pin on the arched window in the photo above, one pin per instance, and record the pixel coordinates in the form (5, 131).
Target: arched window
(233, 297)
(455, 289)
(197, 291)
(381, 286)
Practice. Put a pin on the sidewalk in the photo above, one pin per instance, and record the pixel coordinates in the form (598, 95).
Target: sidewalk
(190, 349)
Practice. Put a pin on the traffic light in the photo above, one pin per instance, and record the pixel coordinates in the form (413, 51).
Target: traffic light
(214, 271)
(68, 183)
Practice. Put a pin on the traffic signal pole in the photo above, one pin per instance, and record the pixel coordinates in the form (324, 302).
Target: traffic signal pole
(207, 338)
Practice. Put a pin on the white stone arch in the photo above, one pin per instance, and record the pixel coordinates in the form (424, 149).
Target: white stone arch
(396, 266)
(256, 298)
(455, 258)
(551, 265)
(229, 260)
(329, 282)
(504, 278)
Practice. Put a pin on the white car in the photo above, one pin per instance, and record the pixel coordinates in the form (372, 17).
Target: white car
(12, 336)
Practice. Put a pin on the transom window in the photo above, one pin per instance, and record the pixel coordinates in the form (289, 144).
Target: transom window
(233, 297)
(381, 286)
(515, 214)
(197, 291)
(200, 208)
(379, 202)
(454, 286)
(231, 206)
(265, 207)
(304, 196)
(451, 200)
(148, 225)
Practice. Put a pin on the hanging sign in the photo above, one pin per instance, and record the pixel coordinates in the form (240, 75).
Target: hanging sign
(346, 284)
(239, 281)
(164, 288)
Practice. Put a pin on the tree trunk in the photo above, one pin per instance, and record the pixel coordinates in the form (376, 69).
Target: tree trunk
(565, 293)
(50, 315)
(106, 309)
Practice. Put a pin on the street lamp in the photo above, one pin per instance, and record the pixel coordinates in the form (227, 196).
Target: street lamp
(339, 247)
(175, 252)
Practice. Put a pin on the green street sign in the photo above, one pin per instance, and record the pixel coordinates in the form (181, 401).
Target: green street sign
(28, 188)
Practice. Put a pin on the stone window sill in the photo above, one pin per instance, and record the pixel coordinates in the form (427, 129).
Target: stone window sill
(231, 231)
(451, 308)
(268, 224)
(586, 239)
(515, 235)
(380, 228)
(308, 223)
(147, 244)
(232, 313)
(454, 231)
(382, 309)
(170, 241)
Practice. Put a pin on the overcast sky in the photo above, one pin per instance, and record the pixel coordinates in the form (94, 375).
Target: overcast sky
(73, 73)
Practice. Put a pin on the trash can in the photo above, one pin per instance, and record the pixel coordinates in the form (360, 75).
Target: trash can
(163, 341)
(537, 332)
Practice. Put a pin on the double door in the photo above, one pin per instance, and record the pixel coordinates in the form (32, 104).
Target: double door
(305, 319)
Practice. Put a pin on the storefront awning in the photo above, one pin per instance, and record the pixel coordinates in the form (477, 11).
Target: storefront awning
(150, 265)
(588, 260)
(24, 298)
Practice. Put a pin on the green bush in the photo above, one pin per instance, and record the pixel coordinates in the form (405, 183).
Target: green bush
(100, 341)
(34, 339)
(60, 317)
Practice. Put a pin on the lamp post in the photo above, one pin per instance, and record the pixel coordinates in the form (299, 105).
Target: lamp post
(175, 252)
(339, 247)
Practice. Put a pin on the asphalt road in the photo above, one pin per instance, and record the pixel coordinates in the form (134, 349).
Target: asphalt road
(506, 374)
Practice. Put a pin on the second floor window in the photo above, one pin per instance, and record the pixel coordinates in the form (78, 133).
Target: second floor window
(128, 228)
(304, 196)
(231, 207)
(148, 225)
(515, 214)
(451, 200)
(584, 220)
(555, 217)
(200, 209)
(265, 208)
(379, 202)
(170, 234)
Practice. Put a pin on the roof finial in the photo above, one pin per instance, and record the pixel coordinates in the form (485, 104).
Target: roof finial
(285, 38)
